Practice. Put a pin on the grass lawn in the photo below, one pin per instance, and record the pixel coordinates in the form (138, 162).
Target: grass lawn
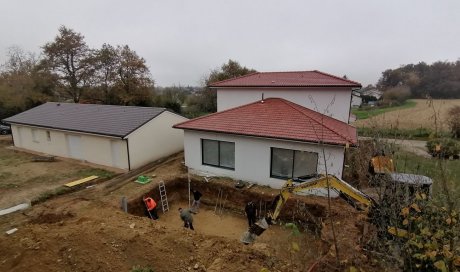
(21, 179)
(370, 112)
(407, 162)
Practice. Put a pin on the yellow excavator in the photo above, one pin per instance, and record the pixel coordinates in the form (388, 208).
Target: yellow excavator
(353, 196)
(409, 184)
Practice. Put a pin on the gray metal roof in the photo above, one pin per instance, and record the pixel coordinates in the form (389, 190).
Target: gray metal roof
(118, 121)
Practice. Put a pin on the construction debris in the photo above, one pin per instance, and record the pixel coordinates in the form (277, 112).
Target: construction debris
(143, 179)
(11, 231)
(80, 181)
(19, 207)
(44, 159)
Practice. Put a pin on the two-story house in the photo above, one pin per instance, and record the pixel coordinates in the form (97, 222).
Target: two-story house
(273, 126)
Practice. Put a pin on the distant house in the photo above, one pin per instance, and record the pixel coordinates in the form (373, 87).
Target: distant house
(356, 100)
(372, 93)
(118, 136)
(319, 91)
(267, 141)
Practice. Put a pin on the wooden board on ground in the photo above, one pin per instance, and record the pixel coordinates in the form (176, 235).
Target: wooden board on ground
(80, 181)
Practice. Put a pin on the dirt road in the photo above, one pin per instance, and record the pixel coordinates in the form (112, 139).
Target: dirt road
(414, 146)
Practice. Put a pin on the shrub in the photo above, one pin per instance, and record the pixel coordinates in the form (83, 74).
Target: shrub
(454, 121)
(397, 95)
(446, 147)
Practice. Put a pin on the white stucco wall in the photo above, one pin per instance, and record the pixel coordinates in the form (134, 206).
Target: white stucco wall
(156, 139)
(322, 97)
(94, 148)
(252, 157)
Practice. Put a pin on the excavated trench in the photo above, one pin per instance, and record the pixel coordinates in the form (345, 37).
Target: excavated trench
(232, 199)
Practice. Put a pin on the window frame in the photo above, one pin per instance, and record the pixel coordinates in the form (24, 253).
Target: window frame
(218, 154)
(48, 136)
(293, 162)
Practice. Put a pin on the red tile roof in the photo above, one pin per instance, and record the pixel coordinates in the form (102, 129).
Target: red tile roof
(287, 79)
(276, 118)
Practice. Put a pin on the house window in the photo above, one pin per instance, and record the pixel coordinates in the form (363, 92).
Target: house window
(218, 153)
(287, 163)
(34, 136)
(48, 136)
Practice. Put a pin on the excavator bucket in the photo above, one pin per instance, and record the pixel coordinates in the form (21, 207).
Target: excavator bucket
(254, 231)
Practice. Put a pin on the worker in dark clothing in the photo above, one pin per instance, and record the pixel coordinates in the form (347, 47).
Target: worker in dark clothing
(187, 217)
(196, 201)
(151, 207)
(251, 212)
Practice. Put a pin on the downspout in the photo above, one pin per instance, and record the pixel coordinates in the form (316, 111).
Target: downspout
(12, 136)
(349, 109)
(127, 150)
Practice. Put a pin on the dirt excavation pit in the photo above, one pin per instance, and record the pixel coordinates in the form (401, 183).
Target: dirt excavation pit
(222, 214)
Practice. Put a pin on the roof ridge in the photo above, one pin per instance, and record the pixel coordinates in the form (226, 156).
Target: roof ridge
(341, 78)
(105, 105)
(217, 112)
(291, 104)
(294, 71)
(233, 78)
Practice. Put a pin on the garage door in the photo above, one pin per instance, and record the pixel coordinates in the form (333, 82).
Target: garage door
(75, 147)
(116, 153)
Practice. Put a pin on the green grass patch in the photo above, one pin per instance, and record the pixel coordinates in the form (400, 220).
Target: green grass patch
(407, 162)
(50, 194)
(368, 112)
(94, 172)
(419, 134)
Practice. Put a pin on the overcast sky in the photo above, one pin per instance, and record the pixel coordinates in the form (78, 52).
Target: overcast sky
(183, 40)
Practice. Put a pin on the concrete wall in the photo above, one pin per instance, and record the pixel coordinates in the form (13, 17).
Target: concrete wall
(94, 148)
(322, 97)
(252, 157)
(156, 139)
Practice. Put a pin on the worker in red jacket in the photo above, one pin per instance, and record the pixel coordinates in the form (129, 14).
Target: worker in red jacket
(151, 207)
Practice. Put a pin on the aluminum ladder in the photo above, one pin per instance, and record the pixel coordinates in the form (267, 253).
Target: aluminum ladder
(163, 196)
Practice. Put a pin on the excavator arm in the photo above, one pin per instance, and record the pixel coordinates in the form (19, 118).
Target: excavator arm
(291, 186)
(321, 182)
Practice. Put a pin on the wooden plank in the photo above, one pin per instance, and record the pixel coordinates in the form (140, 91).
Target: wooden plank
(80, 181)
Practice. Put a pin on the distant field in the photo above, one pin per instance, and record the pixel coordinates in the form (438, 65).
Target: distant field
(364, 114)
(416, 117)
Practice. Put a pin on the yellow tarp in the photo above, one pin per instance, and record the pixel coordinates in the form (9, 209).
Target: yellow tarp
(80, 181)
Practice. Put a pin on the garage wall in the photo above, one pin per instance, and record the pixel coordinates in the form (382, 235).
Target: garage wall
(96, 149)
(252, 157)
(156, 139)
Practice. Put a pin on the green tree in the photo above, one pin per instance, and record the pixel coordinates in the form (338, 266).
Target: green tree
(71, 60)
(207, 98)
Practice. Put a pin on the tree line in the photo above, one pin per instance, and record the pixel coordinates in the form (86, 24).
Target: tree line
(440, 80)
(68, 70)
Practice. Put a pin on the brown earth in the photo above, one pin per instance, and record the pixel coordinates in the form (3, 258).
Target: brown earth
(422, 115)
(87, 231)
(22, 180)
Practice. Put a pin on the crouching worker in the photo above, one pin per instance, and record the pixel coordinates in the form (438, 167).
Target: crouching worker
(186, 216)
(151, 207)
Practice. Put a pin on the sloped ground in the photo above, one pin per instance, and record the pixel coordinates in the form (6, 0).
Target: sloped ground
(22, 180)
(87, 231)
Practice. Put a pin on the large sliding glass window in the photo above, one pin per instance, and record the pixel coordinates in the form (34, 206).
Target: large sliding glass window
(287, 163)
(218, 153)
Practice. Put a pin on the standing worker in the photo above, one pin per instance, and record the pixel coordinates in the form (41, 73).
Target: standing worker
(251, 212)
(186, 216)
(151, 207)
(196, 201)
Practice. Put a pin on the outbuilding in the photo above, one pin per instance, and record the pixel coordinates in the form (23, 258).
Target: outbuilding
(266, 142)
(124, 137)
